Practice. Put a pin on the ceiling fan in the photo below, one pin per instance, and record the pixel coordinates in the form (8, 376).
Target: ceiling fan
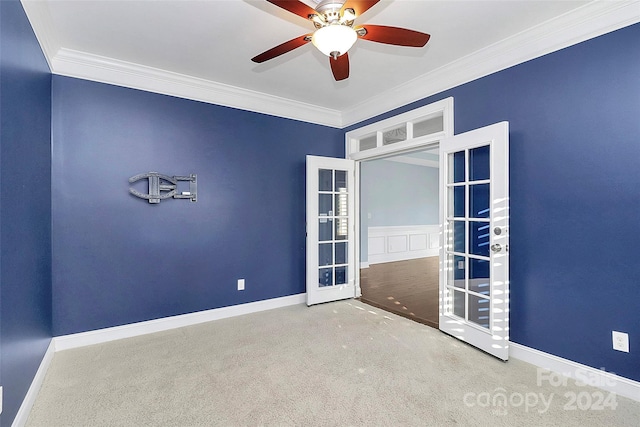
(335, 33)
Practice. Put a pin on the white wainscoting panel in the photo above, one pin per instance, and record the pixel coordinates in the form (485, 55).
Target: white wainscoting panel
(397, 243)
(377, 245)
(418, 242)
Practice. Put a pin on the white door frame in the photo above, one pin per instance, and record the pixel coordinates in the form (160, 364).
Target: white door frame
(443, 108)
(413, 131)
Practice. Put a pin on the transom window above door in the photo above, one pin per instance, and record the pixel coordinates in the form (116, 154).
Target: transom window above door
(405, 131)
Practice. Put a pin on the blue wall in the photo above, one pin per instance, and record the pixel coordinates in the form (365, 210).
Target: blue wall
(25, 206)
(574, 118)
(118, 259)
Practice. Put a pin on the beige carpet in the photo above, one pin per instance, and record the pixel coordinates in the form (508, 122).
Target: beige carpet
(337, 364)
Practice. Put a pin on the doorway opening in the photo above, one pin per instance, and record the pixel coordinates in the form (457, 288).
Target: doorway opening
(472, 237)
(399, 234)
(398, 228)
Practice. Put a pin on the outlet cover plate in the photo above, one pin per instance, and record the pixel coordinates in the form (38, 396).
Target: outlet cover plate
(620, 341)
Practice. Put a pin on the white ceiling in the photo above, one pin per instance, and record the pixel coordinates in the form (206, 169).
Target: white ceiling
(203, 49)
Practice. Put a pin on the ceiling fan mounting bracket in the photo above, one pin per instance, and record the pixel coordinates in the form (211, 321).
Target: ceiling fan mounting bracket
(330, 12)
(329, 6)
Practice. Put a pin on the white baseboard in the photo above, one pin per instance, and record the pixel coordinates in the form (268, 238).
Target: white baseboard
(82, 339)
(30, 398)
(581, 373)
(619, 385)
(364, 264)
(98, 336)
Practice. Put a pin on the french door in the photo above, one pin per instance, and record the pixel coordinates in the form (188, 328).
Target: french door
(474, 255)
(330, 229)
(474, 219)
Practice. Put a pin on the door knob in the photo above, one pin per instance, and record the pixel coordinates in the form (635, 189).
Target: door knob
(496, 247)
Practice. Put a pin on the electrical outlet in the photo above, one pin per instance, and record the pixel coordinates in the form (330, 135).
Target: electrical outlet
(620, 341)
(241, 284)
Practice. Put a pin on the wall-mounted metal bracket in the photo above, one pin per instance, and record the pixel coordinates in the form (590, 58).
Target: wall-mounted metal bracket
(158, 183)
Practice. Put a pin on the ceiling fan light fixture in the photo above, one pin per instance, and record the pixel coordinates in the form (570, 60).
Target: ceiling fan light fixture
(334, 40)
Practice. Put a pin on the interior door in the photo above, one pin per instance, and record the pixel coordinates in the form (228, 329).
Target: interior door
(330, 229)
(474, 255)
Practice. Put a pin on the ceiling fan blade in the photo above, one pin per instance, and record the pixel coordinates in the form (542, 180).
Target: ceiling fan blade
(282, 48)
(294, 6)
(359, 6)
(340, 67)
(394, 35)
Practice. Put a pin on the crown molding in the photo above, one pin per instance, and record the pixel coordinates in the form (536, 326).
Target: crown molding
(591, 20)
(73, 63)
(87, 66)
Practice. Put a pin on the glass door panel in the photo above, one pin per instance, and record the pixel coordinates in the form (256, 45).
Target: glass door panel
(456, 275)
(479, 165)
(325, 228)
(459, 303)
(459, 239)
(478, 312)
(325, 205)
(325, 254)
(479, 238)
(341, 253)
(457, 208)
(479, 200)
(341, 181)
(325, 277)
(457, 169)
(325, 180)
(479, 280)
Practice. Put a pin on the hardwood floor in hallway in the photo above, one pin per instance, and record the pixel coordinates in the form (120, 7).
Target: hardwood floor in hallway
(407, 288)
